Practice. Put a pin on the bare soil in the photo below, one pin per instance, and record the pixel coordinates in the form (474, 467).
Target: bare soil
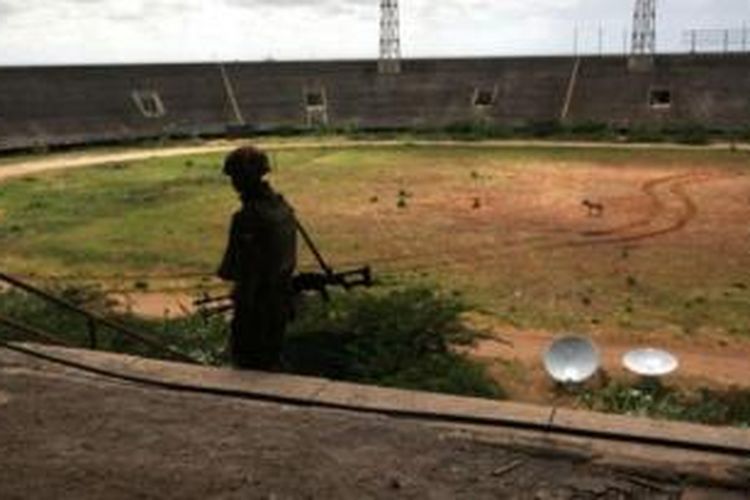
(155, 304)
(515, 359)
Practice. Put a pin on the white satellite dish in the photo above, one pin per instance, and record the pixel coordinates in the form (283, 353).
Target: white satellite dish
(650, 362)
(571, 359)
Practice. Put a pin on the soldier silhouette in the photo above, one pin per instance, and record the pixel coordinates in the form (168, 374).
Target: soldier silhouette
(260, 259)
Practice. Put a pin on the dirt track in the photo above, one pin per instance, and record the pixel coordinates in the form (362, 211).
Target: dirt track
(658, 207)
(77, 160)
(70, 161)
(670, 209)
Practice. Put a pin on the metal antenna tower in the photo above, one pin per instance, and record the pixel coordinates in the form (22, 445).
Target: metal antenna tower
(644, 28)
(390, 40)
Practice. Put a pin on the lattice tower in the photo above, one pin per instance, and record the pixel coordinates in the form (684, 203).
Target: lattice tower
(644, 27)
(390, 40)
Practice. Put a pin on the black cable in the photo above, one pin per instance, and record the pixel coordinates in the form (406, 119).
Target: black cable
(427, 416)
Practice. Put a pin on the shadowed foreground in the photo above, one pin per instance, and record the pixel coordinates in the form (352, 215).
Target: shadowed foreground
(69, 435)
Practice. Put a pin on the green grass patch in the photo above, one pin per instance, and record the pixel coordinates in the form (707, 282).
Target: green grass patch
(169, 216)
(651, 399)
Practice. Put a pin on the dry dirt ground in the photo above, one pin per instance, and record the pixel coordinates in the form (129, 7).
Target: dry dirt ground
(704, 362)
(70, 435)
(666, 226)
(698, 215)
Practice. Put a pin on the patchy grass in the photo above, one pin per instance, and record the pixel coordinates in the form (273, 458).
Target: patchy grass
(481, 220)
(399, 338)
(201, 339)
(705, 406)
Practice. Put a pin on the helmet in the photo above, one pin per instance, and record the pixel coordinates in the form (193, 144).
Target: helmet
(247, 163)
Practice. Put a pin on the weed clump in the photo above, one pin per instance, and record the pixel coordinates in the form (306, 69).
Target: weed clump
(403, 196)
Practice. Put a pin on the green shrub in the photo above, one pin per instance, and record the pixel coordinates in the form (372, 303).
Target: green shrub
(644, 133)
(592, 130)
(693, 134)
(400, 339)
(543, 129)
(474, 131)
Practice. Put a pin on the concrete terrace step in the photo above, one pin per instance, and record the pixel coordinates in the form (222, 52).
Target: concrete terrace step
(527, 420)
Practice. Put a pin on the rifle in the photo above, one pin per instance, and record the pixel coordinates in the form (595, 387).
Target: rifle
(301, 282)
(318, 282)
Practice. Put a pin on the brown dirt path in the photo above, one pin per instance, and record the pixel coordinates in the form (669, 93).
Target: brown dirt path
(657, 205)
(70, 161)
(87, 159)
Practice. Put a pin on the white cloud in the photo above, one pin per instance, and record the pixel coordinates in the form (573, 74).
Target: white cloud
(64, 31)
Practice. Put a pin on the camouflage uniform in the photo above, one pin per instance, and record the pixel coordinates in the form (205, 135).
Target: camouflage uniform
(260, 259)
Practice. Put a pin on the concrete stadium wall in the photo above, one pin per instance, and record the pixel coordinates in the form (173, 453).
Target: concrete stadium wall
(72, 105)
(709, 90)
(426, 93)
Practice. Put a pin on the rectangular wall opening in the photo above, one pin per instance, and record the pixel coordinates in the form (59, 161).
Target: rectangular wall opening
(484, 97)
(660, 98)
(315, 99)
(316, 107)
(149, 103)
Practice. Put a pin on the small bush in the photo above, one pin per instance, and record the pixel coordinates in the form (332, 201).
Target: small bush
(645, 134)
(475, 131)
(693, 134)
(592, 130)
(401, 339)
(544, 129)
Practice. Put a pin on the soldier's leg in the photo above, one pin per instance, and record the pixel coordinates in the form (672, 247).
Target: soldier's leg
(245, 345)
(275, 312)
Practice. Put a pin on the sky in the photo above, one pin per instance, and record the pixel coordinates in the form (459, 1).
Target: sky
(120, 31)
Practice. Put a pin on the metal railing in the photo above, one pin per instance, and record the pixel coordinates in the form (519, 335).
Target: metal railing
(93, 321)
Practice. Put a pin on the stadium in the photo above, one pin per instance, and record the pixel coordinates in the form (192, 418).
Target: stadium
(532, 274)
(56, 106)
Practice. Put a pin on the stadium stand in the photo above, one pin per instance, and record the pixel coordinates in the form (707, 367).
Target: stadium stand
(51, 106)
(693, 89)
